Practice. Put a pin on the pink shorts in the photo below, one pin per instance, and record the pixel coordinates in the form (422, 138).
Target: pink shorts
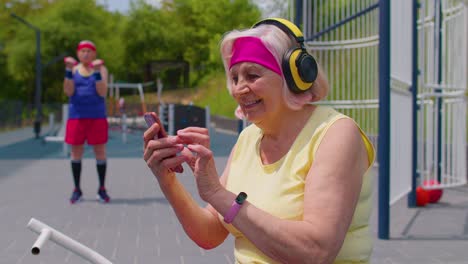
(94, 131)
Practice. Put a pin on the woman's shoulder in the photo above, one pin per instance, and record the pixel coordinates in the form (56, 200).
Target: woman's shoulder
(104, 69)
(249, 136)
(342, 127)
(328, 117)
(323, 116)
(249, 131)
(328, 112)
(76, 68)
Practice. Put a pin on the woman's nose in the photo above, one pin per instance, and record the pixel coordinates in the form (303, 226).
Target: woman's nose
(240, 88)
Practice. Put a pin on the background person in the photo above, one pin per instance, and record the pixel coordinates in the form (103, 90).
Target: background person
(86, 85)
(296, 187)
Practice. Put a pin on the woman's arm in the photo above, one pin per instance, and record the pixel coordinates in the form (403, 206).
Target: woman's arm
(68, 87)
(332, 190)
(68, 83)
(200, 224)
(101, 86)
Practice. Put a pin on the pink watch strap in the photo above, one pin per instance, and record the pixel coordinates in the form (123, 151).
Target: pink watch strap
(229, 217)
(235, 207)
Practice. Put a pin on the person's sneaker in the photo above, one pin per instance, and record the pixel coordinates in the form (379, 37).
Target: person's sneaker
(76, 196)
(102, 195)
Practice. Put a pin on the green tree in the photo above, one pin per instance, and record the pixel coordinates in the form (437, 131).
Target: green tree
(63, 24)
(187, 30)
(9, 87)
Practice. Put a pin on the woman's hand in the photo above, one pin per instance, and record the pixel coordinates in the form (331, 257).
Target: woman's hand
(69, 62)
(96, 64)
(200, 159)
(161, 154)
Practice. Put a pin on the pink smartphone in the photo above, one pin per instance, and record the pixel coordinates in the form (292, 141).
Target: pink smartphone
(150, 119)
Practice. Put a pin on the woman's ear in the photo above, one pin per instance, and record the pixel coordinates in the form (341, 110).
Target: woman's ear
(320, 86)
(315, 97)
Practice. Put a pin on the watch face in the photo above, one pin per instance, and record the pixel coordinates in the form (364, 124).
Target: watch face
(241, 197)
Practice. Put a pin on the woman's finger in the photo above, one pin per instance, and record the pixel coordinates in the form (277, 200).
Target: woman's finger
(173, 163)
(150, 133)
(202, 153)
(191, 137)
(161, 149)
(166, 142)
(200, 130)
(157, 162)
(190, 158)
(153, 161)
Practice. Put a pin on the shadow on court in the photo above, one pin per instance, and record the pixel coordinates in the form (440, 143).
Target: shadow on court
(31, 148)
(445, 220)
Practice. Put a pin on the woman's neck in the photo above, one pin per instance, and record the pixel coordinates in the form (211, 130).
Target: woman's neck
(280, 134)
(290, 123)
(85, 70)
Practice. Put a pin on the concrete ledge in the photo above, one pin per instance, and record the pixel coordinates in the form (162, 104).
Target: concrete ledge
(54, 139)
(224, 123)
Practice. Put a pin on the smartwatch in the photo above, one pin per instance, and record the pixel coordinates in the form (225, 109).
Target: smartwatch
(235, 207)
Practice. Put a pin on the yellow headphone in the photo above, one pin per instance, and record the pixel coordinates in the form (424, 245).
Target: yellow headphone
(299, 67)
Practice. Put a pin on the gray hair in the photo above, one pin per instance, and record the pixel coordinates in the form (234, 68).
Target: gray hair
(278, 43)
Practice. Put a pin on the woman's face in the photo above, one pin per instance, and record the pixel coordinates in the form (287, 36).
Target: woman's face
(258, 91)
(86, 55)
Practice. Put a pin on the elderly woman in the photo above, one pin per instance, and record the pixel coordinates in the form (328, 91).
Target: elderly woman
(296, 188)
(85, 84)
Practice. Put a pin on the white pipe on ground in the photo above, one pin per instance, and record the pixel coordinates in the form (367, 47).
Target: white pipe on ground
(46, 232)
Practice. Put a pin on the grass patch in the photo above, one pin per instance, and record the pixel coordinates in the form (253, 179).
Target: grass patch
(212, 92)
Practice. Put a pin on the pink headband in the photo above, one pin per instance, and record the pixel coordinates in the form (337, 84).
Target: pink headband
(86, 44)
(252, 49)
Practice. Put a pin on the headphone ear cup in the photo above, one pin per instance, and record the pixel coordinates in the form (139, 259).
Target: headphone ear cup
(299, 69)
(307, 67)
(287, 71)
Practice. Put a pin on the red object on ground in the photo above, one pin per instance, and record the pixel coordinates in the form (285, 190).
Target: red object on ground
(434, 194)
(422, 197)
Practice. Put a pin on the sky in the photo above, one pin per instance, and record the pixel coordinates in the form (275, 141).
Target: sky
(117, 5)
(123, 6)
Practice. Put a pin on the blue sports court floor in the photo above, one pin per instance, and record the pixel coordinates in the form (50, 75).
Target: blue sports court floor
(138, 226)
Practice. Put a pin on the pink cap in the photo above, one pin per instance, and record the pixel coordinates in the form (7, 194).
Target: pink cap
(252, 49)
(86, 44)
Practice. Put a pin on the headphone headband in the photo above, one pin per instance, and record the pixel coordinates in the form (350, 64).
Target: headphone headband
(299, 67)
(286, 25)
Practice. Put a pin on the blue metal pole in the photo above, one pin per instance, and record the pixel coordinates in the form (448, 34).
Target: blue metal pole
(298, 13)
(38, 91)
(439, 100)
(344, 21)
(415, 108)
(37, 122)
(384, 120)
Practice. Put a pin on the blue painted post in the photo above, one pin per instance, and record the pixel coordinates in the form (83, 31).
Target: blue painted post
(415, 108)
(38, 91)
(298, 13)
(438, 26)
(384, 120)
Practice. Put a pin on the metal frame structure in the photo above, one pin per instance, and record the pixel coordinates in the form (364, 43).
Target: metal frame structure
(416, 98)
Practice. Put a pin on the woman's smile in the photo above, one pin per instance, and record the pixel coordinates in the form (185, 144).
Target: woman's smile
(250, 104)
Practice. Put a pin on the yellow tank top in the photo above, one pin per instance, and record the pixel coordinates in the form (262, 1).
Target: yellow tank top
(278, 188)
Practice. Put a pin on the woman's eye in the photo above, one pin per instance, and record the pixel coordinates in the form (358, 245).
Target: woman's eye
(235, 79)
(252, 76)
